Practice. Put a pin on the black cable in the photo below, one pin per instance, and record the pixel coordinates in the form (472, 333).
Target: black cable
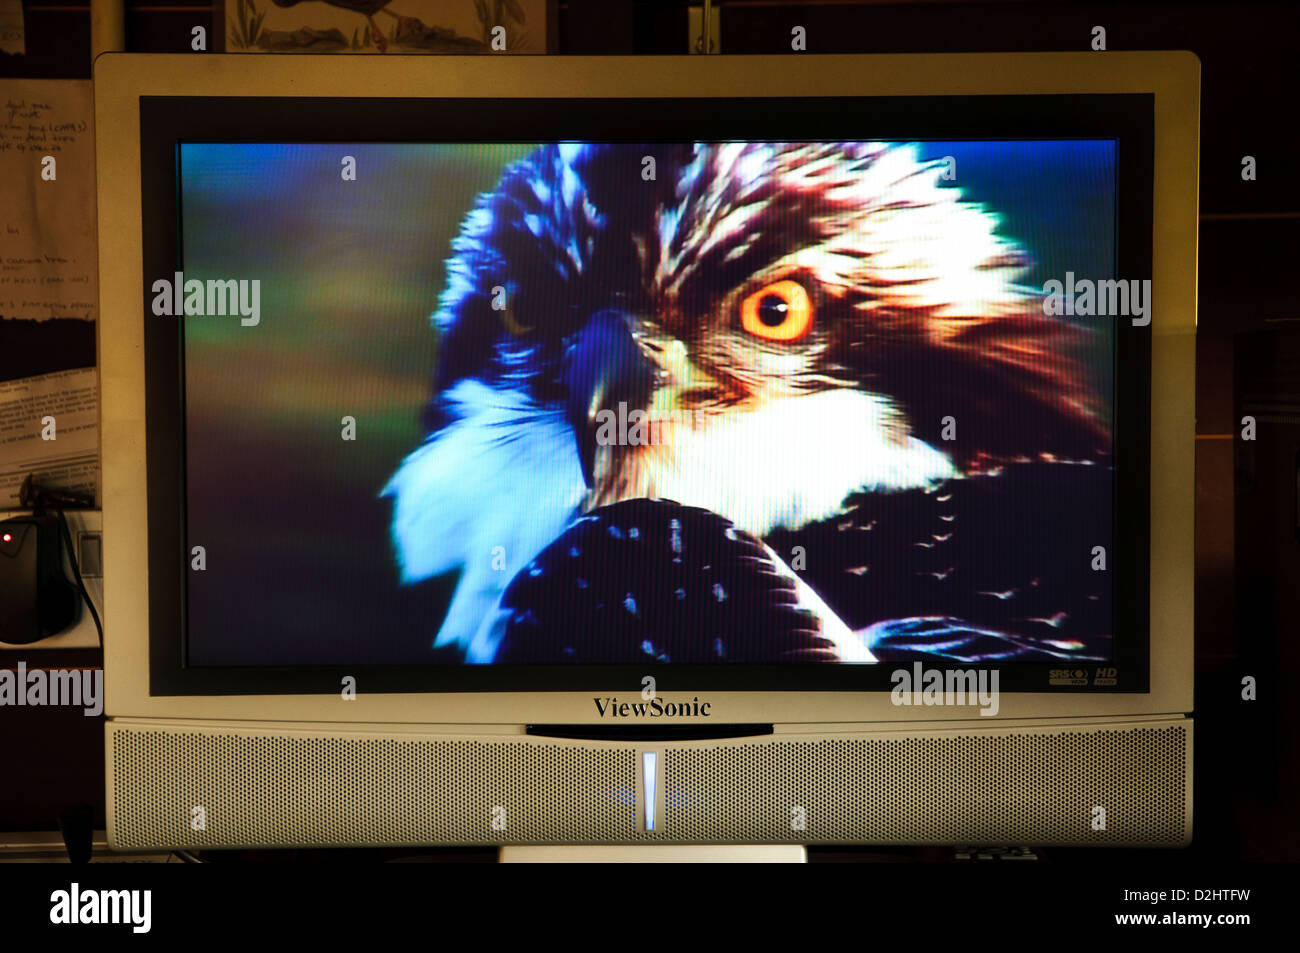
(37, 498)
(33, 496)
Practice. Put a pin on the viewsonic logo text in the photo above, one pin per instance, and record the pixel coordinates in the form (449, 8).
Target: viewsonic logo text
(654, 708)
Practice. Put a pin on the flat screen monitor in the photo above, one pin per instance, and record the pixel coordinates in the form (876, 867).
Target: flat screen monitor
(565, 398)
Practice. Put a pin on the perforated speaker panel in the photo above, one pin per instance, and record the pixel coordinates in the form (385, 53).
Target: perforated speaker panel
(1117, 786)
(194, 785)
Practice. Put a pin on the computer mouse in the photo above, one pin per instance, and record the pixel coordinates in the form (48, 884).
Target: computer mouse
(37, 600)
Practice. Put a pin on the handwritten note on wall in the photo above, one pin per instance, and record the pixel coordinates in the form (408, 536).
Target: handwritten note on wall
(49, 423)
(47, 219)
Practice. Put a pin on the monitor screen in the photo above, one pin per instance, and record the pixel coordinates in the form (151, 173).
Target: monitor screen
(604, 403)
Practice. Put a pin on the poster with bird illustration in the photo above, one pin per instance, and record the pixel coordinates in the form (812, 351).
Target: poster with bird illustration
(386, 26)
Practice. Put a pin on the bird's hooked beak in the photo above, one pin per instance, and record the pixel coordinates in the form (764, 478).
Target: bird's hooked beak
(605, 367)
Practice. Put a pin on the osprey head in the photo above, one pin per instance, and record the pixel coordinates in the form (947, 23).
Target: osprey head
(758, 329)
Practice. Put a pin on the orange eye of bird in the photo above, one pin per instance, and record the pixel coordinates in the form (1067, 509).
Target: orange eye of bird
(781, 311)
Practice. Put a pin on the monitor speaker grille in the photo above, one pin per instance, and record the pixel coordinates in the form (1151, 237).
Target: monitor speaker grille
(1026, 787)
(282, 790)
(215, 786)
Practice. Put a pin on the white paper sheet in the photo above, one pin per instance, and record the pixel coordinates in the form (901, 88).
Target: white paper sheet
(69, 461)
(47, 219)
(48, 269)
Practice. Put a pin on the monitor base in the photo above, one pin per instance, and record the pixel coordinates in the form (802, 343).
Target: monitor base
(655, 854)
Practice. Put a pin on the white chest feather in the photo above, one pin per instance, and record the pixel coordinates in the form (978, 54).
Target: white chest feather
(494, 488)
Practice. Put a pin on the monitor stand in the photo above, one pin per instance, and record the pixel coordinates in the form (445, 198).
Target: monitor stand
(655, 854)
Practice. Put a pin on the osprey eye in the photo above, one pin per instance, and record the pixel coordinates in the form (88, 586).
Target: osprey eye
(781, 311)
